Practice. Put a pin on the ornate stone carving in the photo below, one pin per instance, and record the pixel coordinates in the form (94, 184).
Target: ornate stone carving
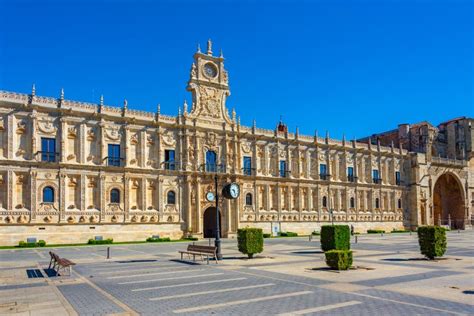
(112, 133)
(47, 127)
(168, 139)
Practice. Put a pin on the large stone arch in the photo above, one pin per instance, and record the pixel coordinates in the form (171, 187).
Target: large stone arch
(449, 201)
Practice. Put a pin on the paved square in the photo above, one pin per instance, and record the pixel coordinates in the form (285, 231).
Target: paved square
(289, 278)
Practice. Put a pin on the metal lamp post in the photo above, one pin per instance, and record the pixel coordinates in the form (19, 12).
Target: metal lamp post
(218, 231)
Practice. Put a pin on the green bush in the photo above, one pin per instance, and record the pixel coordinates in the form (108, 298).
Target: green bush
(23, 244)
(250, 241)
(191, 238)
(100, 242)
(432, 240)
(375, 231)
(335, 237)
(288, 234)
(165, 239)
(315, 233)
(339, 259)
(267, 235)
(400, 231)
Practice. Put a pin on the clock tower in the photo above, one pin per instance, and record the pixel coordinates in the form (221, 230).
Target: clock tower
(209, 85)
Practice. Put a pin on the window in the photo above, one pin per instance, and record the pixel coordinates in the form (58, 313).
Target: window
(325, 201)
(169, 159)
(48, 149)
(48, 195)
(248, 199)
(283, 170)
(247, 166)
(375, 176)
(171, 198)
(114, 155)
(211, 161)
(114, 196)
(377, 203)
(352, 202)
(397, 178)
(323, 171)
(399, 203)
(350, 174)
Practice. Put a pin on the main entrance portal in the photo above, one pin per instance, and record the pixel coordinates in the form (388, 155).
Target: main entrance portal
(448, 202)
(209, 222)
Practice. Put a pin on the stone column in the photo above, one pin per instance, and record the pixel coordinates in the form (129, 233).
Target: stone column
(143, 146)
(34, 135)
(143, 188)
(126, 146)
(82, 143)
(83, 187)
(102, 194)
(267, 197)
(188, 205)
(102, 144)
(62, 196)
(198, 221)
(126, 196)
(33, 198)
(10, 137)
(63, 139)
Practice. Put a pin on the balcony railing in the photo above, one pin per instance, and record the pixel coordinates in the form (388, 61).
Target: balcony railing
(169, 165)
(114, 161)
(377, 180)
(351, 178)
(284, 173)
(213, 168)
(47, 156)
(249, 171)
(325, 176)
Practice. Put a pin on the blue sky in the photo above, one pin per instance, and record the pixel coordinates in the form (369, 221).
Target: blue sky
(354, 67)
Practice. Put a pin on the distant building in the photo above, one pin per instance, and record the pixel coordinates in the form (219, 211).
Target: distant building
(70, 170)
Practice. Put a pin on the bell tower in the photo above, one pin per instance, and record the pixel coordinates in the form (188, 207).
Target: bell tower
(209, 85)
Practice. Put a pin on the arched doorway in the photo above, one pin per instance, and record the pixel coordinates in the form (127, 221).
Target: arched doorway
(448, 202)
(209, 222)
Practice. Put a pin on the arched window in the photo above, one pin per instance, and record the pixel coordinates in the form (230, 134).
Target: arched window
(377, 203)
(171, 197)
(48, 195)
(399, 203)
(248, 199)
(211, 161)
(114, 196)
(325, 201)
(352, 202)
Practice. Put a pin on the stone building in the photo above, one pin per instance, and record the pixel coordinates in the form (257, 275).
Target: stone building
(70, 171)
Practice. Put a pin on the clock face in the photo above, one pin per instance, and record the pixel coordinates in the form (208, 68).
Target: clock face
(234, 190)
(210, 196)
(210, 70)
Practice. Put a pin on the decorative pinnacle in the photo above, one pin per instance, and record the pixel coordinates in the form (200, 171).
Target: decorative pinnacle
(254, 123)
(233, 114)
(125, 104)
(185, 107)
(221, 55)
(33, 90)
(327, 134)
(101, 99)
(199, 48)
(62, 94)
(209, 47)
(158, 109)
(238, 121)
(297, 131)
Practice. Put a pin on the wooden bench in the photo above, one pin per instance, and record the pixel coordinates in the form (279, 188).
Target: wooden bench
(58, 263)
(198, 250)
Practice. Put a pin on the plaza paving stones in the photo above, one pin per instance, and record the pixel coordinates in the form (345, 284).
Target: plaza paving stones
(289, 278)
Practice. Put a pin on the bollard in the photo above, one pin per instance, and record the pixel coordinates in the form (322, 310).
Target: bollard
(108, 252)
(381, 234)
(410, 232)
(459, 231)
(356, 239)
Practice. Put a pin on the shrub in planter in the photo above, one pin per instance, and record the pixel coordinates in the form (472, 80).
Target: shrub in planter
(432, 241)
(165, 239)
(375, 231)
(267, 235)
(250, 241)
(41, 243)
(100, 242)
(335, 237)
(339, 259)
(288, 234)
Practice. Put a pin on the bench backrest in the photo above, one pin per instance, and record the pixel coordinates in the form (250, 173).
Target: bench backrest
(204, 249)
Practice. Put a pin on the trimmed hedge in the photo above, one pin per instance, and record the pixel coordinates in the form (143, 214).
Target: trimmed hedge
(267, 235)
(191, 238)
(100, 242)
(395, 231)
(375, 231)
(151, 239)
(339, 259)
(39, 243)
(432, 241)
(315, 233)
(250, 241)
(288, 234)
(335, 237)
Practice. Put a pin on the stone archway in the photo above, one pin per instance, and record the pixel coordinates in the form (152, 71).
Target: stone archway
(448, 202)
(209, 223)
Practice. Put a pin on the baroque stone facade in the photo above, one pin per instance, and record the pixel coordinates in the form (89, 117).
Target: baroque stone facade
(70, 171)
